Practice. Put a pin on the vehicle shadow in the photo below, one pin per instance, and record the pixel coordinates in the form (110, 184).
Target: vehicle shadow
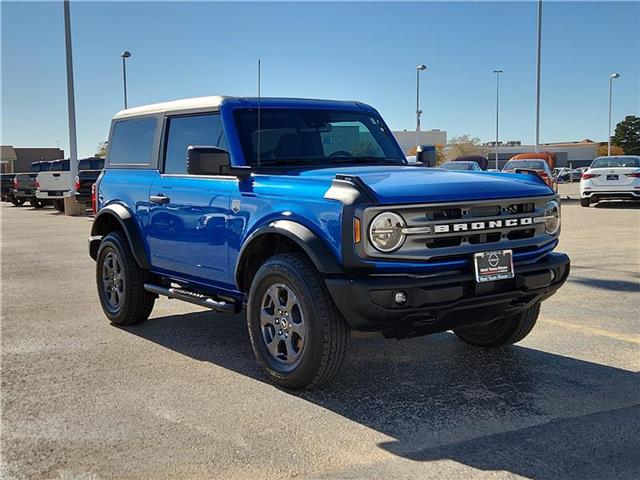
(516, 409)
(620, 205)
(614, 285)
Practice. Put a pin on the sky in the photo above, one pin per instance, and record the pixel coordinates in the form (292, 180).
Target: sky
(352, 51)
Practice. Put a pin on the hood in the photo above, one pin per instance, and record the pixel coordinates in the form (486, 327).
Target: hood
(393, 185)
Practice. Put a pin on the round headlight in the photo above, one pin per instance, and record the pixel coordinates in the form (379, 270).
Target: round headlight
(552, 214)
(385, 231)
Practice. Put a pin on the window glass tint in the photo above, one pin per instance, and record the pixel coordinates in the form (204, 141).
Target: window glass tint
(132, 141)
(97, 164)
(35, 167)
(613, 162)
(315, 137)
(191, 130)
(60, 166)
(532, 164)
(84, 164)
(44, 167)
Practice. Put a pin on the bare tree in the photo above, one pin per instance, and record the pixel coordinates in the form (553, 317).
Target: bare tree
(464, 145)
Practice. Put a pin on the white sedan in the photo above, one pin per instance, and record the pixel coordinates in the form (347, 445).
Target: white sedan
(611, 178)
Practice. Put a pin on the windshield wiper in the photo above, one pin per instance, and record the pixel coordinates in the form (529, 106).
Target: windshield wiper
(289, 161)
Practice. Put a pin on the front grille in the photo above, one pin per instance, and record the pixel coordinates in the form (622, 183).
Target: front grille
(442, 231)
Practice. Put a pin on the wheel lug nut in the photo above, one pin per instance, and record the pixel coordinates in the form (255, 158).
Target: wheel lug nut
(279, 332)
(277, 321)
(286, 335)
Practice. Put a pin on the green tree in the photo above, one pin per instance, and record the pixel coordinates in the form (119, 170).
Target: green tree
(627, 135)
(464, 145)
(102, 149)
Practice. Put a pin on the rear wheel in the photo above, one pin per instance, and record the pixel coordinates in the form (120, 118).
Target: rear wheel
(17, 202)
(36, 203)
(120, 282)
(585, 202)
(298, 336)
(59, 205)
(504, 331)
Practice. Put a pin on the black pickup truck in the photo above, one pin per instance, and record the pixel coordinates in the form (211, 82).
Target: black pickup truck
(88, 171)
(6, 182)
(24, 184)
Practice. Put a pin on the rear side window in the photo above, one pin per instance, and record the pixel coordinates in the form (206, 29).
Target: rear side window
(60, 166)
(132, 141)
(205, 130)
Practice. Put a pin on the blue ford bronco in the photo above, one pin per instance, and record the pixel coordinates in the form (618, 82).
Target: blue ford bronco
(307, 213)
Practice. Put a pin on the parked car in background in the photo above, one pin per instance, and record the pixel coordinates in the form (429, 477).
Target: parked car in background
(548, 157)
(611, 178)
(24, 184)
(481, 161)
(536, 166)
(6, 195)
(561, 175)
(89, 170)
(54, 184)
(462, 166)
(576, 174)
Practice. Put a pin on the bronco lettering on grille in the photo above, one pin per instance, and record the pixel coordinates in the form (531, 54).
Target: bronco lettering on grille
(485, 225)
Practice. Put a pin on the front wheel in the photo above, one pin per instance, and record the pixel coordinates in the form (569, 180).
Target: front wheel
(120, 282)
(17, 202)
(584, 202)
(500, 332)
(298, 336)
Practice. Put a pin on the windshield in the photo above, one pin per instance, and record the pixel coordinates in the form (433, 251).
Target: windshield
(315, 137)
(459, 166)
(533, 164)
(613, 162)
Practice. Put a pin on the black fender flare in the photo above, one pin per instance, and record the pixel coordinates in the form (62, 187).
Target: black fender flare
(124, 217)
(314, 247)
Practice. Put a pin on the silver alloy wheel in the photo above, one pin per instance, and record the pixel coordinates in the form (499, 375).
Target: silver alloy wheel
(282, 323)
(113, 280)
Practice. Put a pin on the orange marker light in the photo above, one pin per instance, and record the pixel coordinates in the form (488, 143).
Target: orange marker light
(356, 230)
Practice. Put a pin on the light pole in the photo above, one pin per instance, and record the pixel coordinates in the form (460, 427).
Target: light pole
(419, 68)
(497, 72)
(611, 77)
(124, 56)
(71, 101)
(538, 61)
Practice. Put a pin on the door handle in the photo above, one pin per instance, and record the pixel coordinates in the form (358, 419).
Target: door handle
(160, 199)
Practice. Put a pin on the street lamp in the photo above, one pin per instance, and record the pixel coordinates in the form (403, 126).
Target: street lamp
(611, 77)
(538, 67)
(419, 68)
(124, 56)
(497, 72)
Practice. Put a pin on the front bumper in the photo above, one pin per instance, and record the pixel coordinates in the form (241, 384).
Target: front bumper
(439, 303)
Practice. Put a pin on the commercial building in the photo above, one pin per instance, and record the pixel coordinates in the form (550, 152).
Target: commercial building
(15, 160)
(575, 154)
(407, 138)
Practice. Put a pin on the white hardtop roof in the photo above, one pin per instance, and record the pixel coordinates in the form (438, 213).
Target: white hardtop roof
(173, 106)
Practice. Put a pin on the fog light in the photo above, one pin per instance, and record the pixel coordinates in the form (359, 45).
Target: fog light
(400, 298)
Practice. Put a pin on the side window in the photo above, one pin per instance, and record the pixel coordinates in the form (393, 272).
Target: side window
(84, 164)
(97, 164)
(190, 130)
(132, 142)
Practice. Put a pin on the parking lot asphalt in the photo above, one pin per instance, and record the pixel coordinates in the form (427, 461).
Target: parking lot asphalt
(181, 396)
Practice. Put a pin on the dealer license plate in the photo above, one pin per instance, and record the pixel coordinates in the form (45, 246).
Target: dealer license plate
(493, 266)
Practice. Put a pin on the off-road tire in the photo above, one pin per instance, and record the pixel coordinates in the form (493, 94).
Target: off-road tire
(585, 202)
(59, 205)
(137, 303)
(17, 202)
(505, 331)
(35, 203)
(327, 333)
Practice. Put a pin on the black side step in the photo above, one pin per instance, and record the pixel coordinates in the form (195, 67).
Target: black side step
(195, 298)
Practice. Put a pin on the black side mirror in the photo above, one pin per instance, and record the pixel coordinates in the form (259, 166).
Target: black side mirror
(205, 160)
(426, 154)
